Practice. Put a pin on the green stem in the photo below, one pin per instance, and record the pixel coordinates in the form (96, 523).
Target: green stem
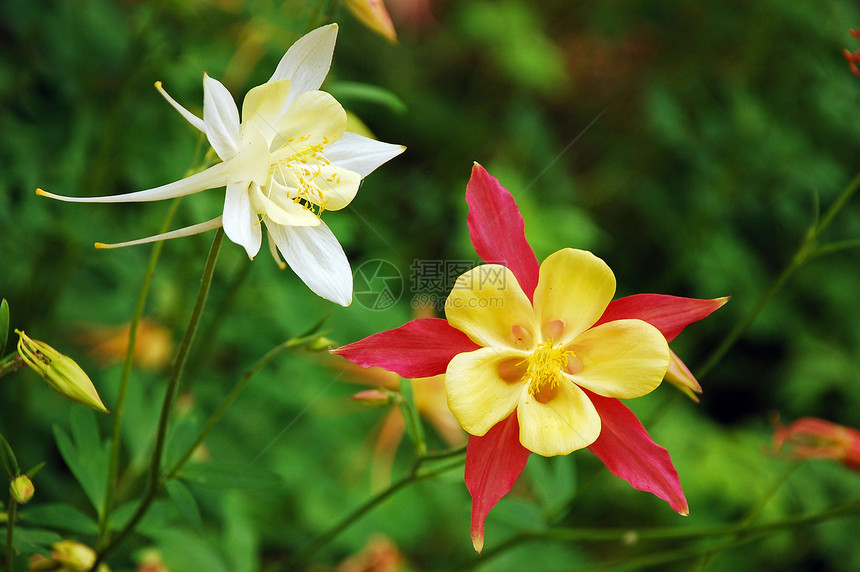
(231, 397)
(413, 476)
(154, 482)
(10, 527)
(755, 510)
(741, 530)
(809, 247)
(11, 363)
(119, 406)
(216, 318)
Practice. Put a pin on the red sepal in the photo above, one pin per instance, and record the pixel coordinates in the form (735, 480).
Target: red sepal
(669, 314)
(629, 453)
(420, 348)
(497, 228)
(493, 464)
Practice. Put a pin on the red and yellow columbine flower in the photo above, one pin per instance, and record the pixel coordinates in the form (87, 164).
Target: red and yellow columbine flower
(536, 358)
(539, 358)
(812, 438)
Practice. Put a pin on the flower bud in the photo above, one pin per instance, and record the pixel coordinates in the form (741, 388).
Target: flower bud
(22, 489)
(374, 397)
(372, 13)
(813, 438)
(321, 344)
(73, 556)
(60, 371)
(681, 377)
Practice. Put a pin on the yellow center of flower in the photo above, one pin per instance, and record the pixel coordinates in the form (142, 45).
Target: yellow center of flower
(544, 370)
(305, 163)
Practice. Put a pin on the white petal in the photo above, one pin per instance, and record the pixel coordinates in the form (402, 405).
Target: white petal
(190, 117)
(240, 221)
(213, 177)
(307, 61)
(221, 117)
(361, 154)
(178, 233)
(317, 258)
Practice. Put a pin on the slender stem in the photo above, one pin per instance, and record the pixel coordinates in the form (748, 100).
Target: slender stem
(412, 476)
(741, 327)
(808, 248)
(11, 363)
(445, 454)
(741, 530)
(834, 209)
(231, 397)
(154, 482)
(755, 510)
(119, 406)
(216, 318)
(10, 526)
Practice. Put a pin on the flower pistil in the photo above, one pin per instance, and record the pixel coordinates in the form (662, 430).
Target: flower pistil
(545, 367)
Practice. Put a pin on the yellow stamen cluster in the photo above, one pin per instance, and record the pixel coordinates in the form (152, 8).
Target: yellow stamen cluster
(544, 370)
(306, 165)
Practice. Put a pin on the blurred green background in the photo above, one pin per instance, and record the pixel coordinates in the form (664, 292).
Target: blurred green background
(685, 143)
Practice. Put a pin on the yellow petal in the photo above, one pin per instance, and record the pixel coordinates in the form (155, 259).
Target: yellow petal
(477, 396)
(263, 106)
(284, 212)
(564, 424)
(488, 305)
(339, 186)
(621, 359)
(574, 288)
(314, 113)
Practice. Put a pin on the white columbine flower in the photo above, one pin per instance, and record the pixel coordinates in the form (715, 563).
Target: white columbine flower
(288, 159)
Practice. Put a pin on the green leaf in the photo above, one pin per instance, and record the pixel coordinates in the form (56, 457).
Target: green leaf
(181, 436)
(240, 540)
(85, 454)
(363, 92)
(160, 514)
(554, 483)
(186, 504)
(30, 540)
(187, 552)
(33, 470)
(231, 476)
(414, 427)
(59, 517)
(4, 325)
(7, 459)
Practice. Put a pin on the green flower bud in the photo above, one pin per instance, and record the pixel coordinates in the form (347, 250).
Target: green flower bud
(321, 344)
(60, 371)
(22, 489)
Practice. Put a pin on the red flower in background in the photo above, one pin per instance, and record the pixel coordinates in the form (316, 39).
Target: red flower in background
(853, 57)
(496, 456)
(813, 438)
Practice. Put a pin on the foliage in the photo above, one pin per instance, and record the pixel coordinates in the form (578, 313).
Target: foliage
(690, 145)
